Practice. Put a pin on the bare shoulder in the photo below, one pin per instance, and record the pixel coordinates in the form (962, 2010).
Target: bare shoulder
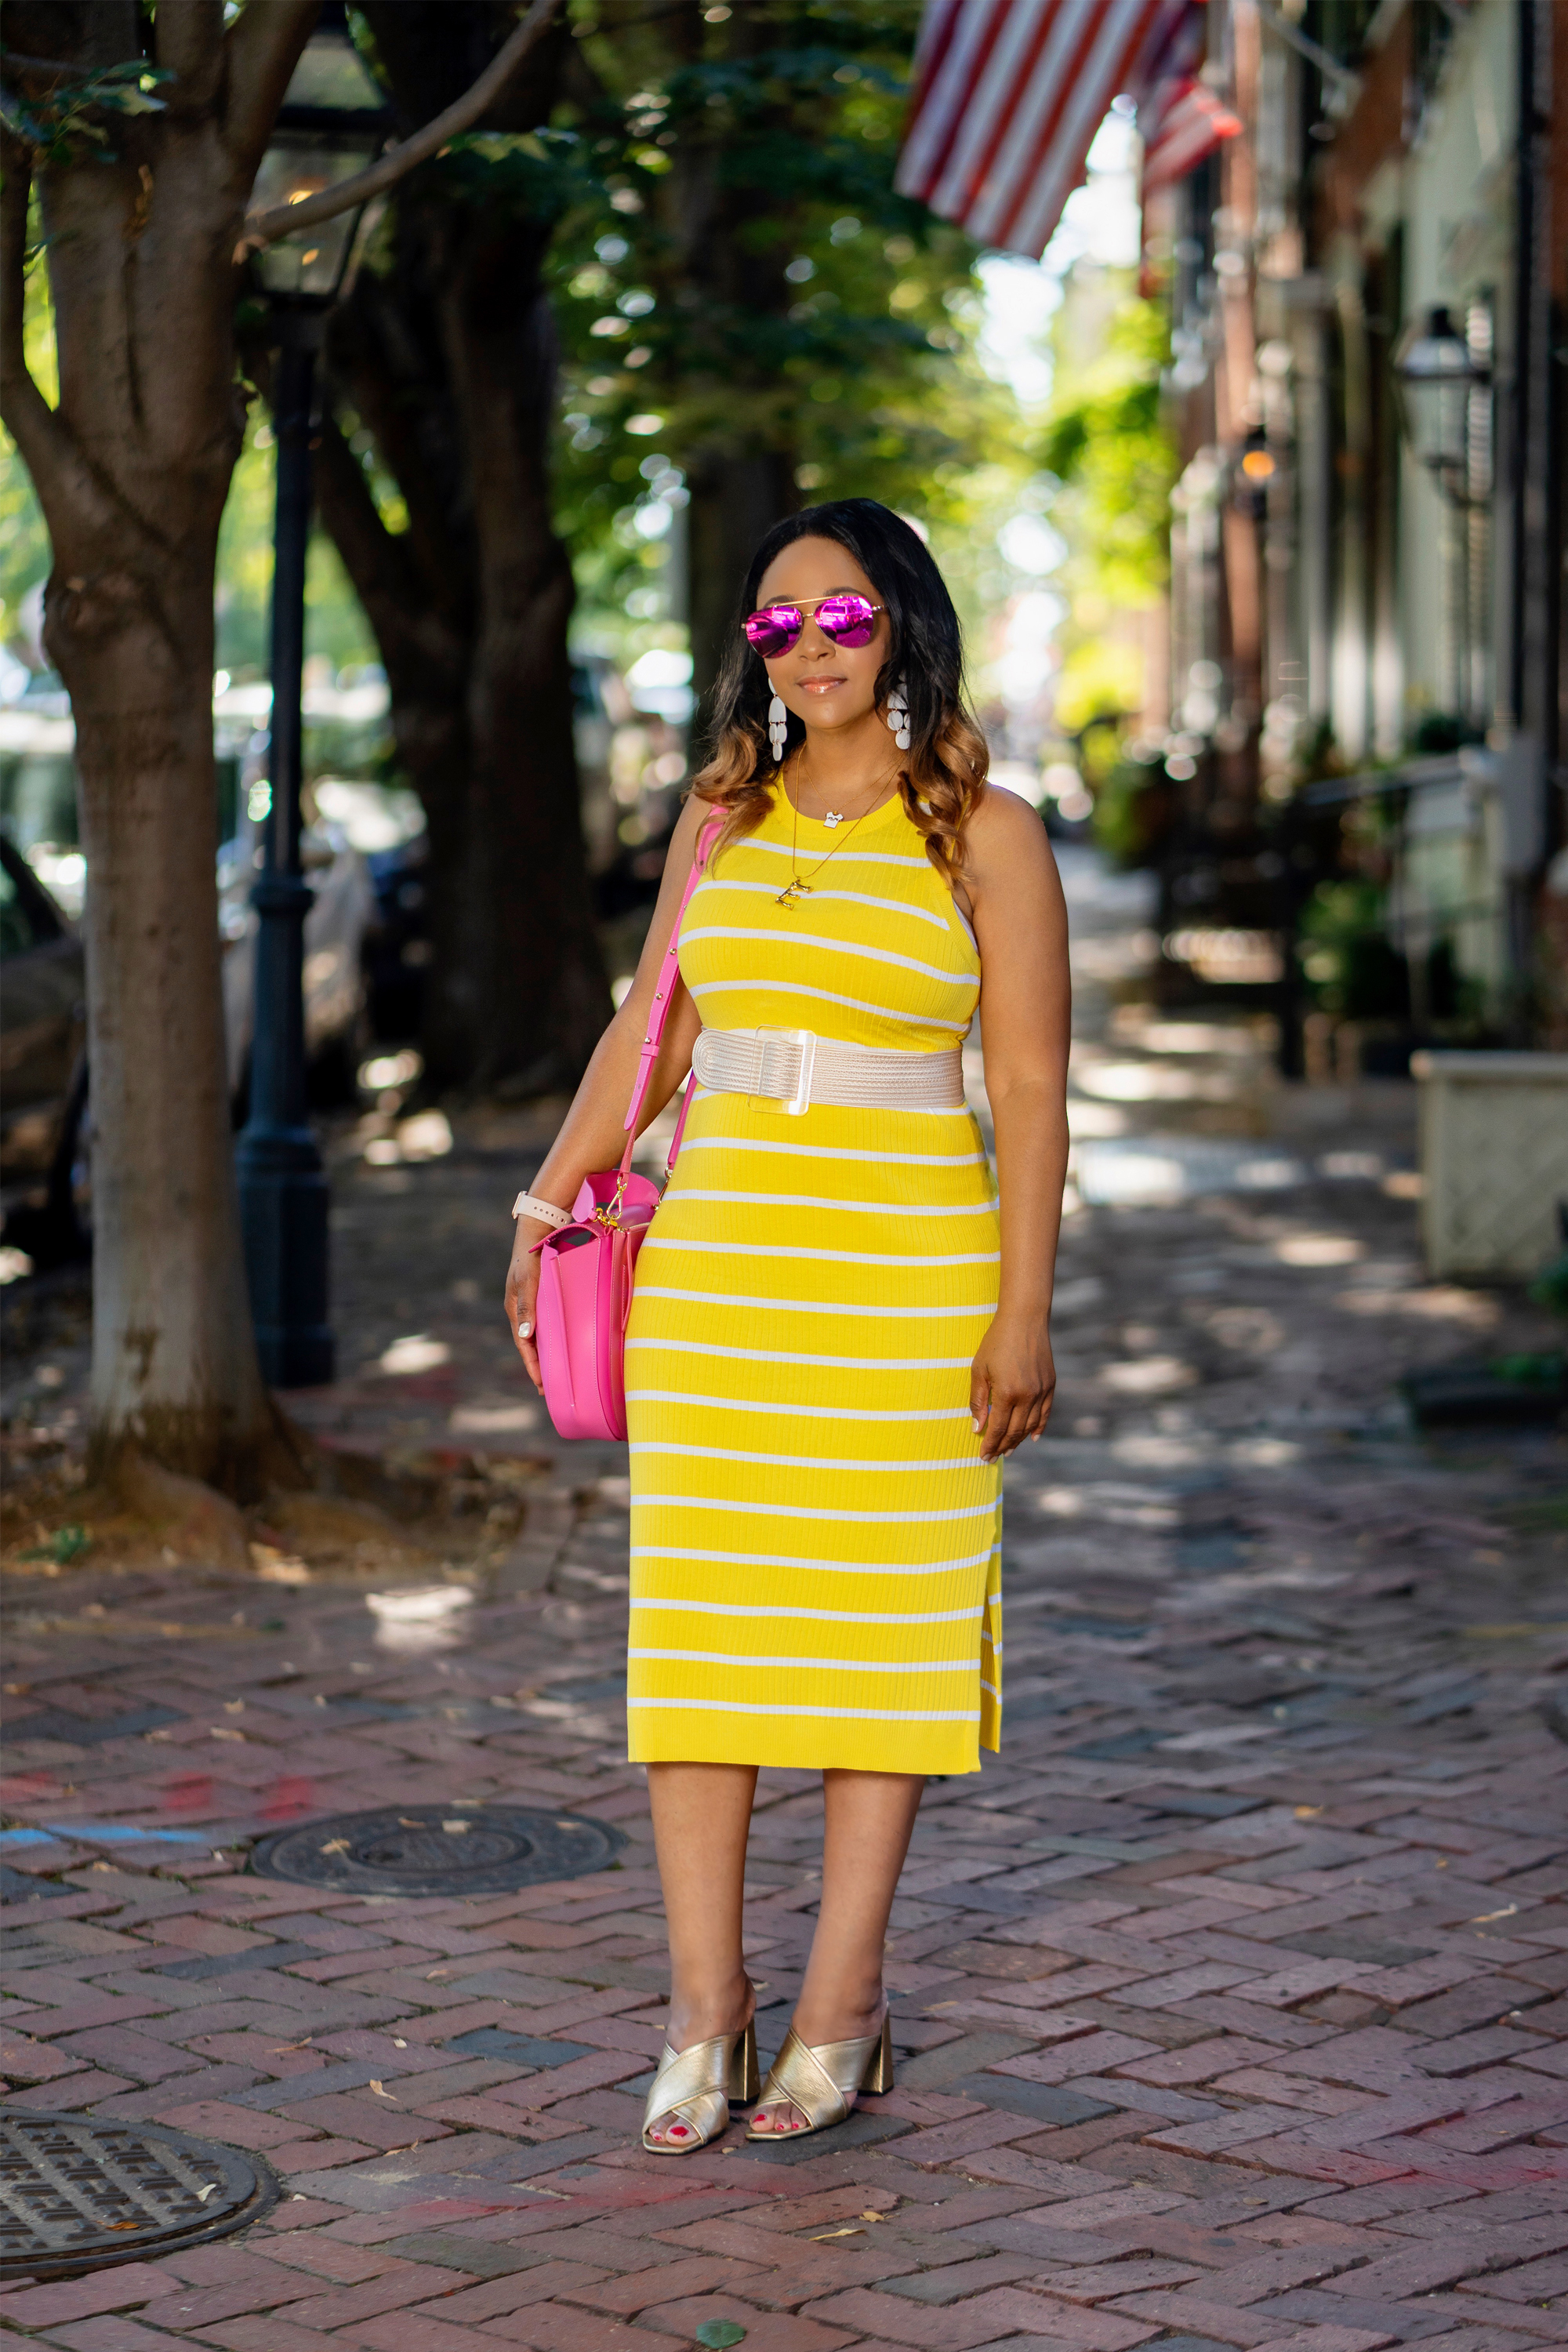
(693, 816)
(680, 859)
(1003, 818)
(1006, 838)
(681, 854)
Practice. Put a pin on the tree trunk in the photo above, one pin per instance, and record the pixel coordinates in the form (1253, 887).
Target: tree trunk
(133, 470)
(448, 356)
(731, 285)
(737, 496)
(541, 995)
(173, 1367)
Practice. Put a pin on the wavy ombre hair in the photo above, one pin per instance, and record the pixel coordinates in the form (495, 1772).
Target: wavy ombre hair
(943, 771)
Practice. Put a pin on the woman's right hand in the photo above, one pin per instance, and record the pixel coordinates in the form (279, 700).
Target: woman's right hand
(523, 1292)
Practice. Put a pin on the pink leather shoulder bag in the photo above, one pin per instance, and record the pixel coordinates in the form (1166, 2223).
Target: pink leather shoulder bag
(586, 1268)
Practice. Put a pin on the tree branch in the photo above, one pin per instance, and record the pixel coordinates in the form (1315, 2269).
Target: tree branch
(265, 44)
(377, 561)
(263, 228)
(406, 409)
(71, 43)
(28, 417)
(55, 68)
(188, 38)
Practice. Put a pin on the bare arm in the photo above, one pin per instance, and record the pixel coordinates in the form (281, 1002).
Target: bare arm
(1020, 920)
(593, 1134)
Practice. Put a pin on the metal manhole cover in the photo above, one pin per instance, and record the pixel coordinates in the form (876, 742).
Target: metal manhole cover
(438, 1850)
(76, 2195)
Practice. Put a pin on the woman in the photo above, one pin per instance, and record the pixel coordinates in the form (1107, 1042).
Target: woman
(832, 1346)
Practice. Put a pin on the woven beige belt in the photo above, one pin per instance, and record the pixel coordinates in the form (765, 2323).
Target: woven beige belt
(795, 1068)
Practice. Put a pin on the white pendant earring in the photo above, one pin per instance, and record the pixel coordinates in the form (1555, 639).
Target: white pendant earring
(899, 715)
(778, 728)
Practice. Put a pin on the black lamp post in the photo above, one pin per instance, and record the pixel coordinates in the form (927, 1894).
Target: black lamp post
(331, 123)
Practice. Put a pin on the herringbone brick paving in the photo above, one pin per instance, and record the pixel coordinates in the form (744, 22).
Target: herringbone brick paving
(1229, 2000)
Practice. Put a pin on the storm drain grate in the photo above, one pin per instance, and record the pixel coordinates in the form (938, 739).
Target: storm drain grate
(79, 2196)
(438, 1850)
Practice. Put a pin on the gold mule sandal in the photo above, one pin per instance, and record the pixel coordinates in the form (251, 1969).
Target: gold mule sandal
(698, 2085)
(825, 2082)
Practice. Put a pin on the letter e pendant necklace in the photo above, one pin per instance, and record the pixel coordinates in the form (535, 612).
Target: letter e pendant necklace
(798, 887)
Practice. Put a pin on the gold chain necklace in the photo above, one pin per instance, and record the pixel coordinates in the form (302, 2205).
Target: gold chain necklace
(799, 884)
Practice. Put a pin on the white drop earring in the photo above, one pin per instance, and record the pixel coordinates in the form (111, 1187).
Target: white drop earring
(899, 715)
(778, 728)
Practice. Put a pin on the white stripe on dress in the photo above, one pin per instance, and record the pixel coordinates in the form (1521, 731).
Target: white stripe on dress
(817, 1616)
(830, 1567)
(845, 857)
(840, 947)
(776, 1103)
(789, 1355)
(802, 1461)
(795, 1411)
(844, 898)
(655, 1240)
(826, 996)
(808, 1306)
(910, 1211)
(790, 1511)
(826, 1151)
(816, 1666)
(841, 1714)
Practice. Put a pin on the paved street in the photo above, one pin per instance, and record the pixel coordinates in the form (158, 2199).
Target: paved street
(1229, 2002)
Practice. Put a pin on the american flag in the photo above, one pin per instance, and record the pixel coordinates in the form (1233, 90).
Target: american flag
(1181, 122)
(1180, 119)
(1009, 95)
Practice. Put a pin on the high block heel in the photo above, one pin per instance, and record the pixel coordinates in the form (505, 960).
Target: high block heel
(823, 2083)
(698, 2085)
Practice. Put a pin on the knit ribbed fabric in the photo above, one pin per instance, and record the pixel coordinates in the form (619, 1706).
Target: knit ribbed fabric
(815, 1543)
(799, 1070)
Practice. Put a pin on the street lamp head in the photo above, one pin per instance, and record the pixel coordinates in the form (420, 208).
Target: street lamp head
(333, 122)
(1433, 350)
(1436, 374)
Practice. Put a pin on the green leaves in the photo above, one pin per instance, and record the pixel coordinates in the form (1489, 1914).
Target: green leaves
(804, 313)
(541, 175)
(67, 1544)
(58, 125)
(1067, 438)
(727, 255)
(719, 2333)
(1107, 444)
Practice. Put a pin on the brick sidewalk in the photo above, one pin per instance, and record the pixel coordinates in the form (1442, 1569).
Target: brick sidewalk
(1229, 2000)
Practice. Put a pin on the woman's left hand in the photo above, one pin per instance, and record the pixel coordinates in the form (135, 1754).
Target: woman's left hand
(1012, 1384)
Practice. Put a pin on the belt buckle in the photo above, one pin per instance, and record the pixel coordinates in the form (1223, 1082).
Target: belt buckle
(805, 1042)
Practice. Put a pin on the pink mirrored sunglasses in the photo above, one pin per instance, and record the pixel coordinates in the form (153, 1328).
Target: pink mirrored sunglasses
(847, 619)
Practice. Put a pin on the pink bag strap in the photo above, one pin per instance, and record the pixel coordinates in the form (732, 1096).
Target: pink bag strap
(658, 1011)
(674, 1152)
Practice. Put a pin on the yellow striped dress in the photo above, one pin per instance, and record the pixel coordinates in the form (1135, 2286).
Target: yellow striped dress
(815, 1543)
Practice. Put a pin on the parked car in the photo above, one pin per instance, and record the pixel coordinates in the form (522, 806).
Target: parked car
(45, 1106)
(397, 945)
(43, 1061)
(340, 920)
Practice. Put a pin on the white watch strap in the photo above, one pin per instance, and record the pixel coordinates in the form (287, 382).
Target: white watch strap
(528, 1205)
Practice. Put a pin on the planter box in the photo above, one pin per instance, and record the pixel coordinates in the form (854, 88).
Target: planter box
(1494, 1162)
